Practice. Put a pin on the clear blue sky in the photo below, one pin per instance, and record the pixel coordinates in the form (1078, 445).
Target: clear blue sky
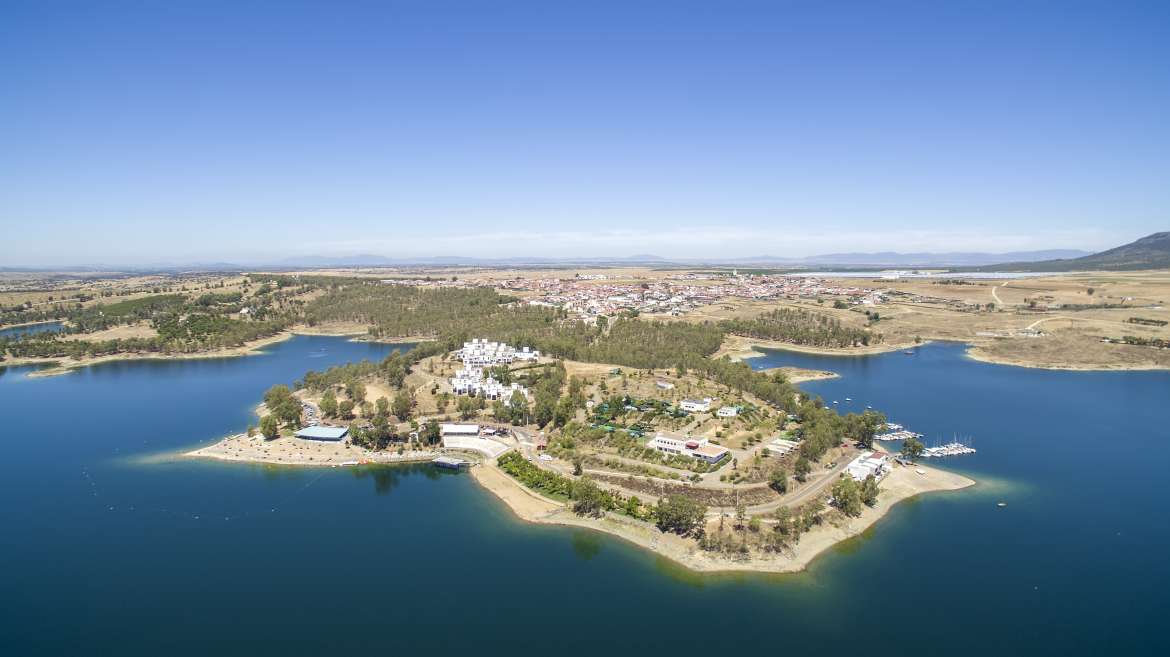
(149, 131)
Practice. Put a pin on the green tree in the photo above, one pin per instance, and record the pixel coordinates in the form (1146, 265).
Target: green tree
(802, 469)
(869, 491)
(564, 412)
(329, 404)
(401, 405)
(501, 373)
(382, 406)
(466, 407)
(680, 514)
(281, 403)
(588, 498)
(356, 391)
(345, 410)
(431, 433)
(270, 426)
(912, 448)
(518, 406)
(778, 481)
(847, 496)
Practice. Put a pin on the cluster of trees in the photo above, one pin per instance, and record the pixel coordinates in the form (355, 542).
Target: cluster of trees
(673, 513)
(849, 496)
(822, 428)
(1146, 342)
(528, 474)
(455, 314)
(912, 448)
(800, 326)
(1147, 322)
(183, 325)
(283, 408)
(681, 515)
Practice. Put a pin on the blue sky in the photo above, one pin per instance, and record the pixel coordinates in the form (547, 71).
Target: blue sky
(150, 131)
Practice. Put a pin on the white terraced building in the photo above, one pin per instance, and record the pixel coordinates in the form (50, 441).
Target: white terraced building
(482, 353)
(471, 381)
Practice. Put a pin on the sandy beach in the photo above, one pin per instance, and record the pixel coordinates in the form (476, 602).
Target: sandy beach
(288, 450)
(802, 375)
(901, 484)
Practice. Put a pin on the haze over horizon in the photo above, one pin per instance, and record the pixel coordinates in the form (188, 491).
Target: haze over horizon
(231, 132)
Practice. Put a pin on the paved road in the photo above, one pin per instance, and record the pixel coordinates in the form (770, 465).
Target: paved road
(809, 490)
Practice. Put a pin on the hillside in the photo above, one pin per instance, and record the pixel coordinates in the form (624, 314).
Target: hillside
(1149, 252)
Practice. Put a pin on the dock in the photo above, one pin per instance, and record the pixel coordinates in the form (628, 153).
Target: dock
(450, 462)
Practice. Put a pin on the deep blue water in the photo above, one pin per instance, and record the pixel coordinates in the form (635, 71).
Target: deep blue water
(15, 331)
(105, 552)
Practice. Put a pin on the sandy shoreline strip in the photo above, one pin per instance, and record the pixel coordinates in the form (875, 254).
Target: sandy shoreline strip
(974, 353)
(740, 348)
(901, 484)
(288, 450)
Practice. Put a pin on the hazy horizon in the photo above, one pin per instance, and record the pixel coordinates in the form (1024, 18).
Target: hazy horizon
(234, 132)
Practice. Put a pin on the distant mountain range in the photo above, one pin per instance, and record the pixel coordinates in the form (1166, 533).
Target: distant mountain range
(1149, 252)
(895, 259)
(883, 259)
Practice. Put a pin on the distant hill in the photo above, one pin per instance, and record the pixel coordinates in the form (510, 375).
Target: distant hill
(1150, 252)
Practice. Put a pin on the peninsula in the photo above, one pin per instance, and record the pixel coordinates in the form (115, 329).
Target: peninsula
(712, 465)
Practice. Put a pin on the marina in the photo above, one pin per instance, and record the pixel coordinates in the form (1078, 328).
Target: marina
(950, 449)
(899, 434)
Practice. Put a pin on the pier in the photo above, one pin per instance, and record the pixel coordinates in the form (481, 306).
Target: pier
(450, 462)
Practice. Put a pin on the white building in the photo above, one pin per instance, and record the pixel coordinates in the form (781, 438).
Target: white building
(696, 405)
(699, 448)
(527, 354)
(459, 429)
(728, 411)
(482, 353)
(869, 463)
(476, 355)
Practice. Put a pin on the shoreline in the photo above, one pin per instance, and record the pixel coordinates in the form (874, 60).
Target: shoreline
(58, 366)
(901, 484)
(5, 327)
(287, 450)
(801, 374)
(973, 353)
(738, 348)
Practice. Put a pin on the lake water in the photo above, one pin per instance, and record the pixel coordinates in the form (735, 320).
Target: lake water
(27, 329)
(106, 550)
